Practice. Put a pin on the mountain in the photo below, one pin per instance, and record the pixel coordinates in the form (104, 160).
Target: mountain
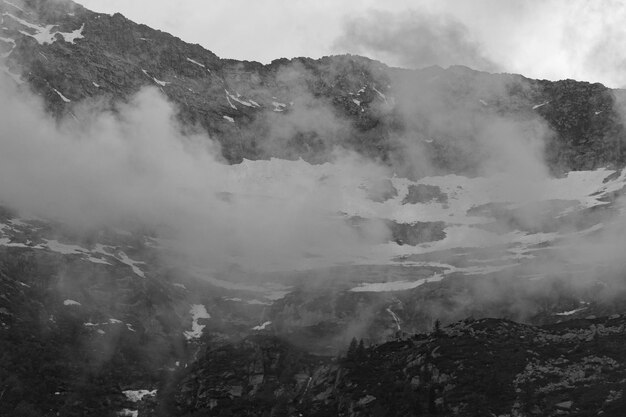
(466, 227)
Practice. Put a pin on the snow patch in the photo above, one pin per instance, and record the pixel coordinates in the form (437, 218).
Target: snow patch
(7, 242)
(570, 312)
(196, 63)
(270, 291)
(237, 98)
(69, 302)
(278, 107)
(97, 260)
(137, 395)
(72, 36)
(395, 318)
(123, 258)
(198, 311)
(384, 97)
(262, 326)
(258, 302)
(44, 34)
(65, 99)
(230, 119)
(56, 246)
(395, 285)
(230, 103)
(157, 81)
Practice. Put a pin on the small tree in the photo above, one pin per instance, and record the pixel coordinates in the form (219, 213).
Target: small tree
(437, 327)
(360, 350)
(352, 349)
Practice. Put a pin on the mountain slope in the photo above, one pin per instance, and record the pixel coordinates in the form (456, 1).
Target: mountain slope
(482, 367)
(460, 202)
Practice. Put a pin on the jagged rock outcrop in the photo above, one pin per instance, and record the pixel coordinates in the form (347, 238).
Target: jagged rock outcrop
(472, 367)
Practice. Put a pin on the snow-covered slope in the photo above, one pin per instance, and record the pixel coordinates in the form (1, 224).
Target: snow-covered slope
(501, 221)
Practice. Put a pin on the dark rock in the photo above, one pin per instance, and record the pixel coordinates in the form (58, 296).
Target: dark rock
(423, 193)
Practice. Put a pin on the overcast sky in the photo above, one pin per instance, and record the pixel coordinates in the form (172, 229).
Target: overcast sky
(553, 39)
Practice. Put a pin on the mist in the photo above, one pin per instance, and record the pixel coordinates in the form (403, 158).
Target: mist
(413, 40)
(132, 165)
(310, 128)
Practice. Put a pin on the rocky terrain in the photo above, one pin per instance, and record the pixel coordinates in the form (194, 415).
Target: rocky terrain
(471, 292)
(472, 367)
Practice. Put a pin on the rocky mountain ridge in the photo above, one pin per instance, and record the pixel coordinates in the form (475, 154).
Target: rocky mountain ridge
(473, 367)
(369, 107)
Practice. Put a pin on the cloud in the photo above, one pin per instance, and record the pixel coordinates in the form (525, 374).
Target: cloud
(593, 38)
(450, 122)
(306, 126)
(553, 39)
(413, 40)
(131, 165)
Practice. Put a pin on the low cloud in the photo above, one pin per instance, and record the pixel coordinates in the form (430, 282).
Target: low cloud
(131, 165)
(413, 40)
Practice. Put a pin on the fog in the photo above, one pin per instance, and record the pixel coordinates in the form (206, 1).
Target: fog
(131, 166)
(413, 40)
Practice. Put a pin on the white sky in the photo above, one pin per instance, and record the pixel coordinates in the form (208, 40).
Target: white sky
(553, 39)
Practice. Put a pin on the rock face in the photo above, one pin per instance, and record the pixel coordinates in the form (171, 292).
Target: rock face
(304, 107)
(87, 321)
(472, 367)
(423, 193)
